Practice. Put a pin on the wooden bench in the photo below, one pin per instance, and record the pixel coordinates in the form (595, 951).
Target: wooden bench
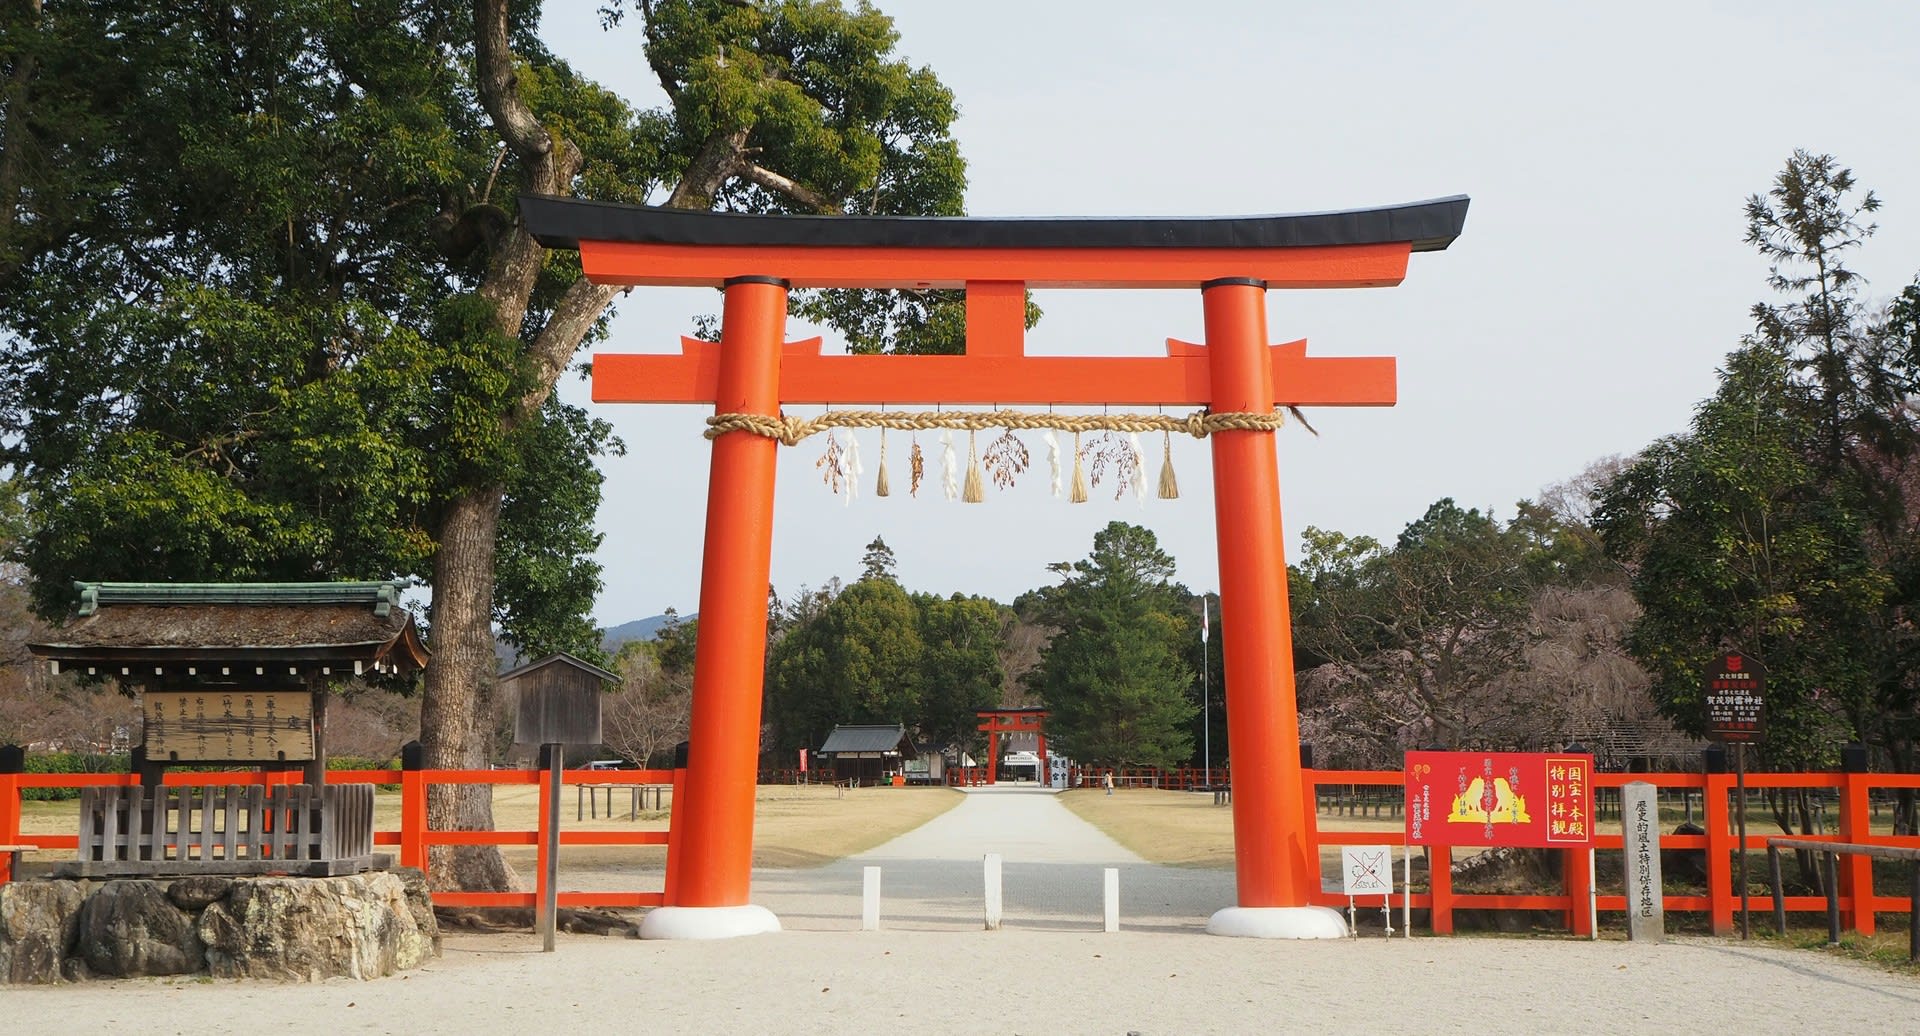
(295, 829)
(1833, 851)
(13, 854)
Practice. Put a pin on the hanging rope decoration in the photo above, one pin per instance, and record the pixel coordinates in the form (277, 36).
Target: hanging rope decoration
(1006, 457)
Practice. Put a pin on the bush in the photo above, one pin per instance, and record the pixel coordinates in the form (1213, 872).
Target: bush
(69, 762)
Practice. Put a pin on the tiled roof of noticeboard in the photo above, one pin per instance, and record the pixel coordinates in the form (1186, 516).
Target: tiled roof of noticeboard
(284, 622)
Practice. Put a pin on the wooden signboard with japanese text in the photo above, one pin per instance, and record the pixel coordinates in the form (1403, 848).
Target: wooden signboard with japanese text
(228, 726)
(1735, 692)
(1525, 799)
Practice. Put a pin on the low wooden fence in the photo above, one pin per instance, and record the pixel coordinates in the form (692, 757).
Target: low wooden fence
(411, 839)
(287, 828)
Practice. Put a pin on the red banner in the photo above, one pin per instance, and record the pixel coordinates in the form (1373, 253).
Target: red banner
(1527, 799)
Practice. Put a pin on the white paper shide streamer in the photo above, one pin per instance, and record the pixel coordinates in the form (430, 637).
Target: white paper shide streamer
(949, 467)
(1053, 462)
(1139, 468)
(850, 463)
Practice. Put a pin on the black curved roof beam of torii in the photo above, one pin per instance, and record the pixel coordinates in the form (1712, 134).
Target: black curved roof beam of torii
(639, 244)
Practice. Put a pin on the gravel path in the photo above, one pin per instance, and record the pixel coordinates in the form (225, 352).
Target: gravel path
(1050, 971)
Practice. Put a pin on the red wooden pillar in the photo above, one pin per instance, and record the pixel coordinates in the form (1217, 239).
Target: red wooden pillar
(1269, 824)
(9, 821)
(1721, 898)
(1856, 871)
(716, 847)
(993, 755)
(1042, 776)
(1440, 888)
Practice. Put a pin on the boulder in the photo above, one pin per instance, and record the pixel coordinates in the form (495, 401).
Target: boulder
(304, 929)
(38, 920)
(197, 893)
(130, 929)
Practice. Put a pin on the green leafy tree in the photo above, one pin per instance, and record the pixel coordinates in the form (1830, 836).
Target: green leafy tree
(1779, 525)
(960, 667)
(860, 660)
(1115, 674)
(329, 347)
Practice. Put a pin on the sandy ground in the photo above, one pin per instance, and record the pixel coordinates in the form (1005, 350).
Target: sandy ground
(1050, 970)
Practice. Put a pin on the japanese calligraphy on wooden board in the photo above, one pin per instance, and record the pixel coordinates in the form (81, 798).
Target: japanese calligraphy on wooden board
(228, 726)
(1525, 799)
(1735, 691)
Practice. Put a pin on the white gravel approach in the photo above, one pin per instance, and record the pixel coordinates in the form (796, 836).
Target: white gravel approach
(932, 969)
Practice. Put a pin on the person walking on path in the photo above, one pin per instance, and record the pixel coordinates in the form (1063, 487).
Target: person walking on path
(1109, 782)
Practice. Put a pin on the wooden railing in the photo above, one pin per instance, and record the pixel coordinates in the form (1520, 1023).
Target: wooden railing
(412, 838)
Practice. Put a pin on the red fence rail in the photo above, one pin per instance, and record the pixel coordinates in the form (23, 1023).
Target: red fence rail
(1858, 900)
(413, 837)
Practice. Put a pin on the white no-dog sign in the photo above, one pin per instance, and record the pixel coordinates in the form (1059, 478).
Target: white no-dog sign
(1366, 870)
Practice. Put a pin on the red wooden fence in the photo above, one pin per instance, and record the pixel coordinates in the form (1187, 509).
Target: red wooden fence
(413, 837)
(1858, 900)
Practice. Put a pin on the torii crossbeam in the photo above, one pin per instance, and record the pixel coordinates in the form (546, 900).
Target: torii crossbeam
(753, 370)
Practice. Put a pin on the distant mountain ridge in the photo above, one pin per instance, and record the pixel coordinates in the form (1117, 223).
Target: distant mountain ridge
(638, 629)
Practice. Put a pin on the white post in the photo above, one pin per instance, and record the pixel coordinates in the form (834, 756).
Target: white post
(993, 891)
(1351, 930)
(1406, 897)
(1113, 899)
(1593, 898)
(870, 900)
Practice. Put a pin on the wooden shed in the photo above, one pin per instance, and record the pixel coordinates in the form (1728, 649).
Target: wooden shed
(557, 701)
(868, 754)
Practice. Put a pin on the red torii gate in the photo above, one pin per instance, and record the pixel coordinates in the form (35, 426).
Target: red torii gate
(752, 370)
(996, 722)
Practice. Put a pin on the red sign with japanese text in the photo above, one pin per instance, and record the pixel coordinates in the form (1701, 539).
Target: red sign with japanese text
(1525, 799)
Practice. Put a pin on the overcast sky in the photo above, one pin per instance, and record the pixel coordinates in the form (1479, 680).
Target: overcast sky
(1599, 283)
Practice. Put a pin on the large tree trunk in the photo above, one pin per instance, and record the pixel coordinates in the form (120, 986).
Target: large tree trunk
(457, 709)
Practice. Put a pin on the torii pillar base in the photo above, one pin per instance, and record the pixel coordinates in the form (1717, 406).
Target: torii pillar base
(671, 922)
(1307, 922)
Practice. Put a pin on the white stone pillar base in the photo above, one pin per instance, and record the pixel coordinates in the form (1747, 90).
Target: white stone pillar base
(1307, 922)
(707, 922)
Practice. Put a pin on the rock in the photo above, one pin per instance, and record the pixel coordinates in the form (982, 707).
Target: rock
(304, 929)
(38, 920)
(197, 893)
(129, 929)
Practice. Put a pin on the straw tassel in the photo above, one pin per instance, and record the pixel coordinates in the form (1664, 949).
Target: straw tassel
(880, 482)
(975, 491)
(1078, 494)
(1169, 486)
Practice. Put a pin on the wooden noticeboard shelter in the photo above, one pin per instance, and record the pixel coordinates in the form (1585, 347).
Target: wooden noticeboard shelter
(235, 672)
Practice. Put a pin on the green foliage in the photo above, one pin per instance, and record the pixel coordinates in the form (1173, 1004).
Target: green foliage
(1780, 524)
(960, 668)
(859, 661)
(1734, 545)
(68, 762)
(1115, 676)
